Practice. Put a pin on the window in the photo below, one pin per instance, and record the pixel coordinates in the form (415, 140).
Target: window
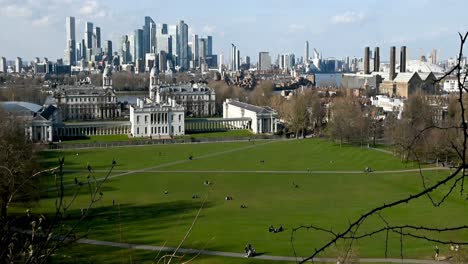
(180, 129)
(138, 119)
(146, 119)
(146, 130)
(138, 130)
(180, 118)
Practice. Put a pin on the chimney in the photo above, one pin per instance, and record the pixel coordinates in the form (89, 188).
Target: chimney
(377, 59)
(366, 60)
(392, 62)
(403, 59)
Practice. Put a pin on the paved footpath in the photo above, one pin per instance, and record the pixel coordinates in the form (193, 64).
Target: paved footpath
(154, 170)
(241, 255)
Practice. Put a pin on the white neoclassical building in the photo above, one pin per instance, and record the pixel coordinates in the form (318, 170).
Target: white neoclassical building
(263, 119)
(198, 99)
(84, 101)
(155, 117)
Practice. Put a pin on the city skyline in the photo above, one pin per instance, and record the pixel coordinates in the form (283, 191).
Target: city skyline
(276, 27)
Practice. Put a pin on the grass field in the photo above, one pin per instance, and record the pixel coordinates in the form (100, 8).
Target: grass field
(147, 215)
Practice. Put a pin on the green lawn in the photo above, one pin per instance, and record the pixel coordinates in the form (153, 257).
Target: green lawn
(100, 138)
(148, 216)
(229, 133)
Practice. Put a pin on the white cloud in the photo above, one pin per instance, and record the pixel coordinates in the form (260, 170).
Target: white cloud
(42, 21)
(348, 17)
(92, 9)
(209, 29)
(14, 10)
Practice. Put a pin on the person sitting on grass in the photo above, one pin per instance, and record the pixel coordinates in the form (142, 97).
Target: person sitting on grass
(271, 229)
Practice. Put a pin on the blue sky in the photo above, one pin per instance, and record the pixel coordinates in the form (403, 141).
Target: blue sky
(36, 28)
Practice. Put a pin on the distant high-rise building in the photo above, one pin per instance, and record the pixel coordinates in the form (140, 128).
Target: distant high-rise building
(235, 58)
(182, 33)
(18, 65)
(83, 49)
(147, 36)
(209, 45)
(195, 51)
(3, 65)
(161, 29)
(202, 43)
(174, 47)
(125, 50)
(131, 45)
(307, 54)
(153, 42)
(164, 44)
(108, 50)
(139, 46)
(97, 37)
(264, 61)
(88, 37)
(70, 53)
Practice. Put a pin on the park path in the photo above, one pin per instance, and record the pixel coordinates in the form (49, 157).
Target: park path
(242, 255)
(154, 170)
(177, 162)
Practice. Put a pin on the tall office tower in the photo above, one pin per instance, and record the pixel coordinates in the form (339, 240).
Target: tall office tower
(234, 65)
(124, 50)
(70, 58)
(78, 51)
(153, 43)
(221, 62)
(162, 57)
(164, 43)
(3, 65)
(147, 36)
(108, 50)
(161, 29)
(307, 54)
(139, 46)
(238, 59)
(97, 37)
(131, 50)
(83, 49)
(88, 37)
(247, 61)
(195, 51)
(88, 40)
(174, 47)
(18, 65)
(202, 43)
(209, 46)
(182, 32)
(264, 61)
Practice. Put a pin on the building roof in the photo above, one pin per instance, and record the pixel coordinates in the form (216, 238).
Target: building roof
(253, 108)
(48, 112)
(425, 75)
(18, 107)
(404, 77)
(422, 66)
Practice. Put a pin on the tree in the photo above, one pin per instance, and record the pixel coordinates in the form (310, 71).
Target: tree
(445, 188)
(31, 237)
(348, 121)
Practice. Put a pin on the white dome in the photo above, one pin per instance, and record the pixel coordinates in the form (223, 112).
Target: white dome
(422, 66)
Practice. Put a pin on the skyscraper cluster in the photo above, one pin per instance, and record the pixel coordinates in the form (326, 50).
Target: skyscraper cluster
(89, 49)
(166, 47)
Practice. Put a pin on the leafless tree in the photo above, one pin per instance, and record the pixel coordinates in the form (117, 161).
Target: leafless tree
(447, 186)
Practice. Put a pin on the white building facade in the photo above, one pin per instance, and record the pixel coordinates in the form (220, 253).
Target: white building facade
(264, 120)
(156, 118)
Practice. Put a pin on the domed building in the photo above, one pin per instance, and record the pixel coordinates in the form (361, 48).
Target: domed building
(422, 66)
(84, 101)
